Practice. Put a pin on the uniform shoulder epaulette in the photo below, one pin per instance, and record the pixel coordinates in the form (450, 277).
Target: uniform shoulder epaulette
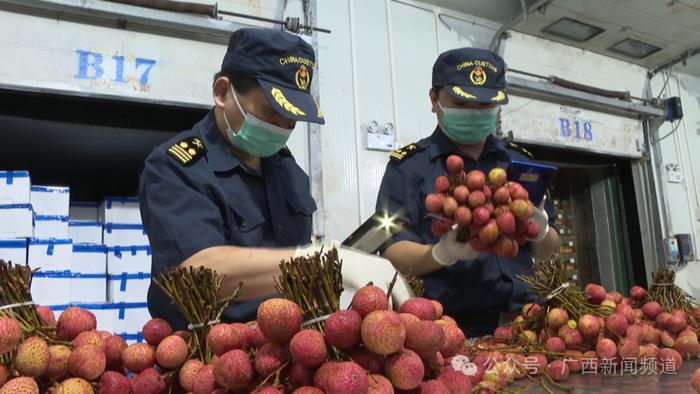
(520, 149)
(187, 151)
(403, 153)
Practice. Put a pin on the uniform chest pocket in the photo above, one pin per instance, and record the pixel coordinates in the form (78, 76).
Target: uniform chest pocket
(299, 228)
(247, 216)
(303, 205)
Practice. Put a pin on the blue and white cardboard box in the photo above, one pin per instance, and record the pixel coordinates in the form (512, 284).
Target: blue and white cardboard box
(83, 212)
(124, 210)
(89, 269)
(125, 287)
(15, 187)
(120, 234)
(14, 250)
(50, 200)
(50, 254)
(104, 313)
(49, 226)
(129, 259)
(130, 317)
(51, 287)
(16, 221)
(84, 232)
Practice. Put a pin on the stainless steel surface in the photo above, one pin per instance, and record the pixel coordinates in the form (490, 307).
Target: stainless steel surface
(602, 232)
(528, 87)
(678, 383)
(650, 227)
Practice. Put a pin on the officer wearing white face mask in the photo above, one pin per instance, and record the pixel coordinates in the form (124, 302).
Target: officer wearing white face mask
(228, 195)
(475, 288)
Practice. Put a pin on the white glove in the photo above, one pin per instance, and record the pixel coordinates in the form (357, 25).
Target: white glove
(448, 250)
(540, 217)
(360, 268)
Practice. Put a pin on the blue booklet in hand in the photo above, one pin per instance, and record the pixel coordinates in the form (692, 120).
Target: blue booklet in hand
(534, 177)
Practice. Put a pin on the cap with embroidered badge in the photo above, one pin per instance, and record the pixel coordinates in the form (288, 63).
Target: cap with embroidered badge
(472, 75)
(282, 63)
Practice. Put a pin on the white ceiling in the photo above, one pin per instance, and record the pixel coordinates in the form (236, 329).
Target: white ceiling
(673, 25)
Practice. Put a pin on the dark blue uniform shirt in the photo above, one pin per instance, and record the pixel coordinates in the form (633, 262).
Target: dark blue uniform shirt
(216, 200)
(473, 292)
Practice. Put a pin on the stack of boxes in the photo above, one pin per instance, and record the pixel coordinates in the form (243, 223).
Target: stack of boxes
(90, 255)
(128, 263)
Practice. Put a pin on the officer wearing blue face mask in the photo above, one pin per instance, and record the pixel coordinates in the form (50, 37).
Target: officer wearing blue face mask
(228, 195)
(477, 289)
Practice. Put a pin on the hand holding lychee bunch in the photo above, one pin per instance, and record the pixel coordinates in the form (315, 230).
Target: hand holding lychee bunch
(491, 214)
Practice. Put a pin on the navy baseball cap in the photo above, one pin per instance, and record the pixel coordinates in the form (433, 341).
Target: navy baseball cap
(282, 63)
(472, 75)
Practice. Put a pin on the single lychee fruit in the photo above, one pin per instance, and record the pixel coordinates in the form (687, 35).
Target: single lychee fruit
(558, 370)
(676, 324)
(671, 360)
(662, 320)
(383, 332)
(47, 316)
(279, 319)
(300, 376)
(455, 164)
(234, 371)
(187, 374)
(341, 378)
(74, 386)
(32, 358)
(425, 338)
(343, 329)
(687, 346)
(695, 380)
(378, 384)
(73, 321)
(638, 293)
(595, 294)
(21, 385)
(589, 326)
(137, 357)
(454, 340)
(422, 308)
(434, 387)
(571, 336)
(439, 310)
(456, 381)
(222, 338)
(88, 338)
(113, 348)
(205, 381)
(58, 362)
(149, 382)
(172, 352)
(114, 383)
(628, 348)
(10, 334)
(270, 357)
(606, 348)
(155, 330)
(404, 369)
(555, 345)
(308, 348)
(617, 323)
(503, 333)
(557, 317)
(87, 362)
(408, 318)
(368, 299)
(244, 331)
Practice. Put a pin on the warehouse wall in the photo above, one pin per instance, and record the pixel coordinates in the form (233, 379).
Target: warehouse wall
(682, 148)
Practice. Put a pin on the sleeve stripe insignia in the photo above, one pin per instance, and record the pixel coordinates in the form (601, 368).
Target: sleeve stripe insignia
(187, 151)
(403, 153)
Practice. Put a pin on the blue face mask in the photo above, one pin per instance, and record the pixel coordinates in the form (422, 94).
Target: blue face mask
(468, 126)
(256, 137)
